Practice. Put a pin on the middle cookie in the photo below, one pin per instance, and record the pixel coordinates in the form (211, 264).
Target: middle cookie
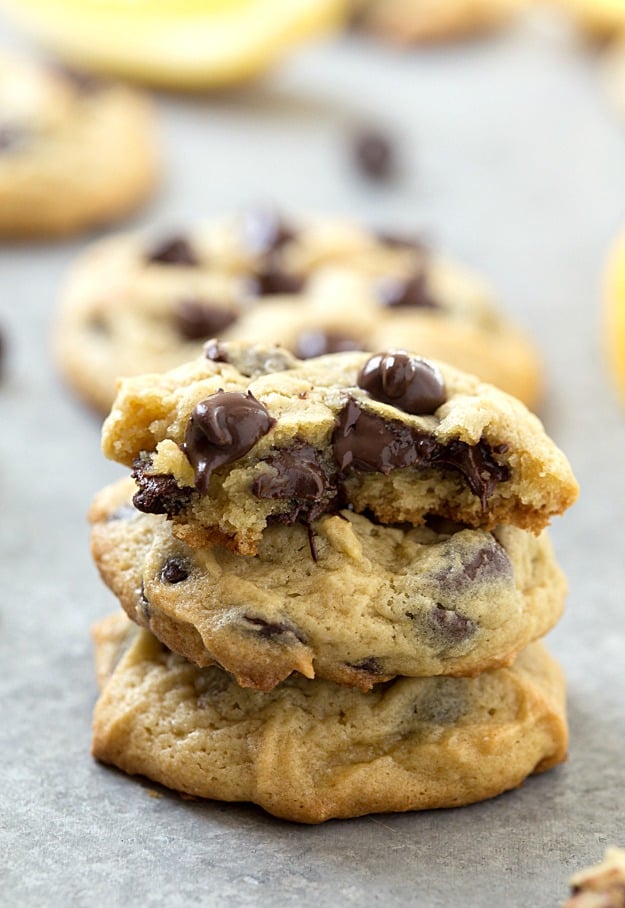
(355, 602)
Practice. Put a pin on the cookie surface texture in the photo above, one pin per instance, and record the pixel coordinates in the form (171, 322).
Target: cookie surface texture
(357, 604)
(133, 305)
(75, 152)
(312, 750)
(392, 435)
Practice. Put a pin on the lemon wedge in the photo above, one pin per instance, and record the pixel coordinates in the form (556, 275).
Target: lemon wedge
(186, 44)
(615, 311)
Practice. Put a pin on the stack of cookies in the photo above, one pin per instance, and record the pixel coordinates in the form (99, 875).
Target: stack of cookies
(337, 574)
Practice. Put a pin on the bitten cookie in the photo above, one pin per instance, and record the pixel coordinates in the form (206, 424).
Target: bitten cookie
(74, 151)
(355, 602)
(408, 21)
(131, 306)
(247, 436)
(311, 750)
(601, 886)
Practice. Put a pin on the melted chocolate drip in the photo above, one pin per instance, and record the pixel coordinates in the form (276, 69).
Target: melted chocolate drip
(175, 250)
(407, 382)
(299, 477)
(364, 441)
(221, 429)
(316, 342)
(158, 492)
(197, 319)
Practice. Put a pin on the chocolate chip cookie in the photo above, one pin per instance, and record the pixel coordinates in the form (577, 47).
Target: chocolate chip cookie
(408, 21)
(74, 151)
(311, 750)
(133, 305)
(346, 600)
(601, 886)
(246, 436)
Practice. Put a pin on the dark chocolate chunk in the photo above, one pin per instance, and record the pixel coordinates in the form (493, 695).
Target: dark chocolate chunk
(411, 292)
(451, 626)
(197, 319)
(271, 280)
(263, 231)
(364, 441)
(465, 563)
(158, 493)
(317, 342)
(374, 155)
(175, 570)
(272, 629)
(221, 429)
(407, 382)
(175, 250)
(215, 351)
(488, 563)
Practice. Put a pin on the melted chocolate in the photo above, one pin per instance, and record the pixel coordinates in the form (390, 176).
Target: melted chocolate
(316, 342)
(221, 429)
(197, 319)
(364, 441)
(298, 477)
(410, 292)
(175, 570)
(451, 626)
(158, 492)
(175, 250)
(407, 382)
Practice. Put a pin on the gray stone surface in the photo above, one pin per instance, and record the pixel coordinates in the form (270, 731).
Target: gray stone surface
(513, 162)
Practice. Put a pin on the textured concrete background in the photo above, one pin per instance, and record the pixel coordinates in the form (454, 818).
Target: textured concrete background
(512, 162)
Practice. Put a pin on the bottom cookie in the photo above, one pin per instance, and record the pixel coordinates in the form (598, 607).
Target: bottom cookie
(311, 750)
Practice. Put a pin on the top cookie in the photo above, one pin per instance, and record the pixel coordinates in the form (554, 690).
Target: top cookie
(131, 306)
(74, 151)
(247, 435)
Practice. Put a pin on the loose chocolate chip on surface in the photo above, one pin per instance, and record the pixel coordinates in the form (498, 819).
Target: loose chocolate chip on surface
(316, 342)
(175, 250)
(158, 493)
(196, 319)
(411, 292)
(374, 155)
(174, 571)
(407, 382)
(221, 429)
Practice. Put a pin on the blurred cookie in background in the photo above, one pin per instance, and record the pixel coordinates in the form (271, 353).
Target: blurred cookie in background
(132, 305)
(614, 321)
(179, 44)
(75, 151)
(413, 21)
(600, 18)
(600, 886)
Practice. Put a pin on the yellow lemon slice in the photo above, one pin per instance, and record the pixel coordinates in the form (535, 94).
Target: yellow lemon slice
(615, 311)
(176, 43)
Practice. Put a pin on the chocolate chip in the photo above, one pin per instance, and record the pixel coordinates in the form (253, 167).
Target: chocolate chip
(158, 493)
(296, 473)
(215, 351)
(411, 292)
(370, 666)
(196, 319)
(364, 441)
(263, 231)
(271, 280)
(316, 342)
(175, 571)
(221, 429)
(173, 251)
(451, 626)
(489, 562)
(98, 324)
(407, 382)
(374, 155)
(270, 629)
